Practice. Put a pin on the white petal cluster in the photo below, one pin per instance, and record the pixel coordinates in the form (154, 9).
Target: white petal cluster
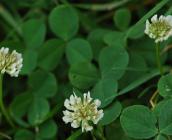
(82, 112)
(160, 28)
(10, 63)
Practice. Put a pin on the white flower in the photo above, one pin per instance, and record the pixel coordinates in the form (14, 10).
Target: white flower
(82, 112)
(10, 63)
(160, 28)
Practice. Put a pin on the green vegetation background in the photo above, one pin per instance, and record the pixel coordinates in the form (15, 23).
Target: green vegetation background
(96, 45)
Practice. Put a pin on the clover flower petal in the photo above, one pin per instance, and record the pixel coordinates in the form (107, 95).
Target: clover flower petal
(82, 112)
(10, 63)
(160, 28)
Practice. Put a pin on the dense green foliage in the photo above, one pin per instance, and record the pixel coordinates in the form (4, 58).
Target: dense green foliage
(96, 46)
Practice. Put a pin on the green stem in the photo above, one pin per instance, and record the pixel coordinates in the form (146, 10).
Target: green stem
(75, 135)
(98, 133)
(10, 20)
(52, 112)
(5, 136)
(101, 134)
(2, 107)
(168, 137)
(158, 60)
(102, 7)
(93, 137)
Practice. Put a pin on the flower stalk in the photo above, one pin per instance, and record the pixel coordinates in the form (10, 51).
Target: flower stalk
(158, 58)
(3, 135)
(2, 107)
(75, 135)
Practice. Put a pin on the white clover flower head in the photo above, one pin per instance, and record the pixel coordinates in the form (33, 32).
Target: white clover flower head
(160, 28)
(82, 112)
(10, 63)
